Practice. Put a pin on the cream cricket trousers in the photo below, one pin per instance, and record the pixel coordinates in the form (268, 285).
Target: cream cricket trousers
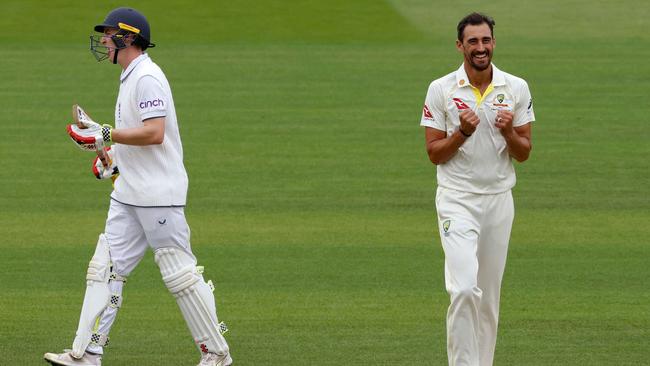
(474, 231)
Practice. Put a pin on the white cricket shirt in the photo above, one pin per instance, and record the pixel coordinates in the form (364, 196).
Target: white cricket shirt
(153, 175)
(482, 164)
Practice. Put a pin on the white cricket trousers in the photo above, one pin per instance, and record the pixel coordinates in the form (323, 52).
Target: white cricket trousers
(474, 231)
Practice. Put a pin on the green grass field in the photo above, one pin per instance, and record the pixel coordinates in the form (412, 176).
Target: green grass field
(311, 198)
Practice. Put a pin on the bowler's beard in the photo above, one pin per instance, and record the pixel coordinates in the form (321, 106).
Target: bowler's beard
(478, 66)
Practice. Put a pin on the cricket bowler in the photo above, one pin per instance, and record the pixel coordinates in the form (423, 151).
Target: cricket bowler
(147, 202)
(477, 119)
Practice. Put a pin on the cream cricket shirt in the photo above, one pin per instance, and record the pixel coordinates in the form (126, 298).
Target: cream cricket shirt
(151, 175)
(482, 164)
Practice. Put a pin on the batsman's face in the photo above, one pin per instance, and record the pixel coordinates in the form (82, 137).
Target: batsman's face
(108, 42)
(477, 46)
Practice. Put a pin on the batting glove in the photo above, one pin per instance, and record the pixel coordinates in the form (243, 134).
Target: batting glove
(86, 133)
(89, 137)
(102, 172)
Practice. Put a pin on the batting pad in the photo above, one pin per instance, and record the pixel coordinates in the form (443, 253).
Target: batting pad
(97, 296)
(194, 297)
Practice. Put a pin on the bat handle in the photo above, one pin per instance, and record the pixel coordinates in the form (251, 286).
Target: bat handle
(101, 151)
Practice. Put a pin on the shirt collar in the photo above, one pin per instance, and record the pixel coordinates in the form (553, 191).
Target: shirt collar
(462, 80)
(125, 73)
(498, 78)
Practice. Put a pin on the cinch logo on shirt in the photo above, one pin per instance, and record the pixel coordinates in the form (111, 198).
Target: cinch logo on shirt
(151, 103)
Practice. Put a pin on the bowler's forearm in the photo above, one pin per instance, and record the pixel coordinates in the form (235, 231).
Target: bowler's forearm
(440, 151)
(518, 146)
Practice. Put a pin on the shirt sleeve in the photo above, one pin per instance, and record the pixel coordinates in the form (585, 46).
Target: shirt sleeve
(433, 112)
(151, 100)
(524, 107)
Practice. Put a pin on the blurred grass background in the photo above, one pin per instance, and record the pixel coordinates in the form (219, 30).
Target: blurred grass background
(311, 196)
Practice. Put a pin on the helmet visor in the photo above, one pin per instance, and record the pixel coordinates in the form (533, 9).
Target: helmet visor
(98, 50)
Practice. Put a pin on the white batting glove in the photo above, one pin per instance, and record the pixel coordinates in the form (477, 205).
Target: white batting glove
(89, 138)
(102, 172)
(86, 133)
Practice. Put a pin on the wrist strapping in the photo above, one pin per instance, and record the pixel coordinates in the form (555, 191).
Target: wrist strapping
(107, 133)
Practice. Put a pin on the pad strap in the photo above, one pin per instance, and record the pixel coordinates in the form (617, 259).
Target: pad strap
(116, 301)
(115, 277)
(99, 339)
(200, 270)
(223, 328)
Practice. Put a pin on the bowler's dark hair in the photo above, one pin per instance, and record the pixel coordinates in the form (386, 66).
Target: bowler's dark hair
(475, 19)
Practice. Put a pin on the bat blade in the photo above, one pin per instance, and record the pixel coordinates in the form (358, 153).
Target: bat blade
(80, 116)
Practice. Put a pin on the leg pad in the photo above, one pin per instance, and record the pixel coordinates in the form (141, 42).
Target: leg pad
(194, 297)
(96, 298)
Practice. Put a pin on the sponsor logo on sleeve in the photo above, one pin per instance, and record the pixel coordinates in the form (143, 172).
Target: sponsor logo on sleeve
(530, 104)
(427, 113)
(151, 103)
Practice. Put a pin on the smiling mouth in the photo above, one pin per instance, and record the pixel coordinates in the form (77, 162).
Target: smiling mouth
(481, 56)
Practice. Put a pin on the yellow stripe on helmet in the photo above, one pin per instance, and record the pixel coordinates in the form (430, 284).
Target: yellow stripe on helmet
(129, 28)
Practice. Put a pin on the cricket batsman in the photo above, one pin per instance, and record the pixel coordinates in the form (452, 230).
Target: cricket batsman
(477, 119)
(147, 202)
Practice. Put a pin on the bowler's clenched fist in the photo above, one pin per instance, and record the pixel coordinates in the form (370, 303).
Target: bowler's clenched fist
(468, 121)
(504, 122)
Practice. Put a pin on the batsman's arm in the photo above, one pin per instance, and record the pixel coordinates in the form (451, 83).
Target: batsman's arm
(151, 133)
(441, 147)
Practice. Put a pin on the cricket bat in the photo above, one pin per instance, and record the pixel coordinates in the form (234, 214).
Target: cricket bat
(80, 116)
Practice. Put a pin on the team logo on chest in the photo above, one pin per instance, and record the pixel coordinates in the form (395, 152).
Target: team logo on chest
(499, 101)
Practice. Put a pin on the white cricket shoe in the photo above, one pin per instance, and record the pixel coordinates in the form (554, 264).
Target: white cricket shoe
(66, 359)
(213, 359)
